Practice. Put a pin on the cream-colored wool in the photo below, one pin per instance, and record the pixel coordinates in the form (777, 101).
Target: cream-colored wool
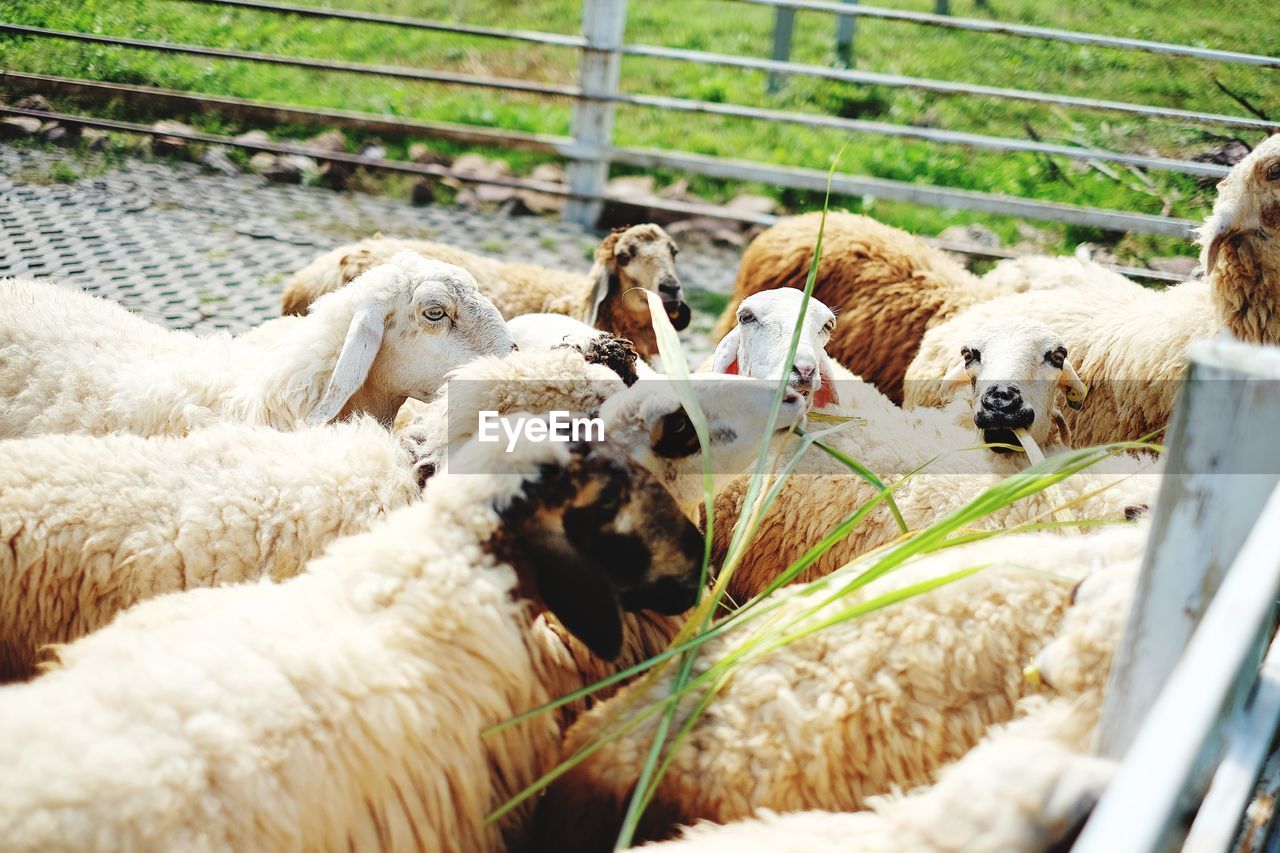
(70, 362)
(344, 706)
(95, 524)
(1129, 342)
(646, 419)
(855, 710)
(812, 504)
(894, 443)
(1027, 787)
(885, 285)
(642, 256)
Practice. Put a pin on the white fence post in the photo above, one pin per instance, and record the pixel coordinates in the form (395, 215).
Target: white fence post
(603, 25)
(1222, 427)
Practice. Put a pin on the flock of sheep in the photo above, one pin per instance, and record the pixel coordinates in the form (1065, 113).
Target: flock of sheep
(266, 592)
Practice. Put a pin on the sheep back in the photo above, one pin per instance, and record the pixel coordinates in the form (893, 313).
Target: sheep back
(96, 524)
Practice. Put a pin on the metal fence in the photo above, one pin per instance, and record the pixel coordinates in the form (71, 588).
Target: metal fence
(591, 149)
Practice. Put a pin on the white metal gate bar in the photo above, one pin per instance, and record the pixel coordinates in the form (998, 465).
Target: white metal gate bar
(1023, 30)
(1204, 510)
(1158, 780)
(537, 37)
(844, 184)
(876, 78)
(972, 140)
(397, 71)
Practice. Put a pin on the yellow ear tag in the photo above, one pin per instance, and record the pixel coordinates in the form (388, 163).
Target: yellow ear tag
(1031, 674)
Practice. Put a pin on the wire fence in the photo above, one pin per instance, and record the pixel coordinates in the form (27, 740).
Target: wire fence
(591, 148)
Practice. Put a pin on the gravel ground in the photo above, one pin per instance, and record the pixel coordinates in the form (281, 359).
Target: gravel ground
(195, 250)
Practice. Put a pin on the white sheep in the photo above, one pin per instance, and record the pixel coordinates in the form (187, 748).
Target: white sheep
(1025, 366)
(888, 286)
(346, 705)
(852, 711)
(758, 345)
(1027, 786)
(76, 363)
(1015, 368)
(1129, 342)
(97, 523)
(641, 257)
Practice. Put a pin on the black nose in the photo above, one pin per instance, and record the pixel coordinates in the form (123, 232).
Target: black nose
(1002, 398)
(669, 288)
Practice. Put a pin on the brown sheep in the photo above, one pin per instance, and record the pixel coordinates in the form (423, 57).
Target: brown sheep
(886, 286)
(639, 257)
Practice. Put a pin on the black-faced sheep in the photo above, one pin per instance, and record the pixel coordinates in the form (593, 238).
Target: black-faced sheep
(345, 706)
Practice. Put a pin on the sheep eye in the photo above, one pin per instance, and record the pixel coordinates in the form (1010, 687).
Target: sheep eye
(746, 317)
(1056, 357)
(1273, 174)
(624, 256)
(435, 314)
(970, 355)
(674, 251)
(829, 327)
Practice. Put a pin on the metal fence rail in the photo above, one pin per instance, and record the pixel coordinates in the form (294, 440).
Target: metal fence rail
(978, 25)
(591, 149)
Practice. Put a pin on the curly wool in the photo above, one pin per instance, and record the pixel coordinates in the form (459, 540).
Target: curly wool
(855, 710)
(96, 524)
(1028, 786)
(343, 704)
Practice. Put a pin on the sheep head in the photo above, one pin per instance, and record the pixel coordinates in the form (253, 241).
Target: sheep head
(411, 321)
(590, 533)
(757, 347)
(642, 257)
(1241, 246)
(1016, 367)
(650, 423)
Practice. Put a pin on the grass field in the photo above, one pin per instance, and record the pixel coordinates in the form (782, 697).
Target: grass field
(739, 28)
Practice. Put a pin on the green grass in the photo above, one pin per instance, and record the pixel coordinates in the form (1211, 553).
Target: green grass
(736, 28)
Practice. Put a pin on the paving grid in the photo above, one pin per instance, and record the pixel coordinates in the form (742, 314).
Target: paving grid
(196, 250)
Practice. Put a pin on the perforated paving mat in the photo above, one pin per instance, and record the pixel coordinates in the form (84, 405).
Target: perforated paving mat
(195, 250)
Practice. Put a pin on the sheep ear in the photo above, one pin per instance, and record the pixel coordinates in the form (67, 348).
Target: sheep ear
(725, 359)
(580, 597)
(599, 292)
(364, 339)
(1075, 389)
(827, 395)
